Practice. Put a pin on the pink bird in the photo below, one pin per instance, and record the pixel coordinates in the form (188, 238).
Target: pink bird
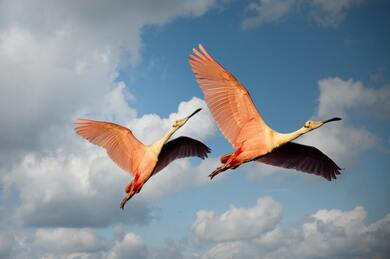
(142, 161)
(242, 125)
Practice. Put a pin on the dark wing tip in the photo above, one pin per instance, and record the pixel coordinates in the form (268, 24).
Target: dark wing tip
(205, 152)
(333, 173)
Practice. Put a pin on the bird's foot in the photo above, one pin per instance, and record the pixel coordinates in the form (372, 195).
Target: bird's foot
(125, 200)
(216, 171)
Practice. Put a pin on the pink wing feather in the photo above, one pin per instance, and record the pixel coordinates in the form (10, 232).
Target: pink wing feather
(121, 145)
(228, 100)
(179, 148)
(302, 158)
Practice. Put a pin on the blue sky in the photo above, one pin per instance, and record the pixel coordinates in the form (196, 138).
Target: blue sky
(127, 63)
(281, 64)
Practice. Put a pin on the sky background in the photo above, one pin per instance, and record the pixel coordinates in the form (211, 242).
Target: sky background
(126, 62)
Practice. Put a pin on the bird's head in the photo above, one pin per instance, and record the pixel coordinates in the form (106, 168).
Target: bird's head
(181, 122)
(311, 125)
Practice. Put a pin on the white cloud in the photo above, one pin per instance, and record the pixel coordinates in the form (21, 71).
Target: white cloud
(330, 13)
(237, 223)
(58, 61)
(83, 243)
(327, 13)
(326, 234)
(230, 250)
(72, 190)
(71, 186)
(151, 127)
(343, 141)
(131, 246)
(110, 25)
(41, 85)
(335, 233)
(268, 11)
(57, 58)
(339, 97)
(179, 176)
(65, 240)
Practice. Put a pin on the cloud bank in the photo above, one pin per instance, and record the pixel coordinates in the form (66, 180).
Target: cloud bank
(325, 234)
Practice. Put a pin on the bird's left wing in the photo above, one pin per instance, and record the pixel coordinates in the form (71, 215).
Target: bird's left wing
(179, 148)
(303, 158)
(228, 100)
(121, 145)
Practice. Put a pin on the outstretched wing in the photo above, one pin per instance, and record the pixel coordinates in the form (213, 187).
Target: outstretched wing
(179, 148)
(228, 100)
(302, 158)
(121, 145)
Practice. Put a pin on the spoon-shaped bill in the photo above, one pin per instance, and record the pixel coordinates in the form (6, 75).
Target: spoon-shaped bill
(195, 112)
(333, 119)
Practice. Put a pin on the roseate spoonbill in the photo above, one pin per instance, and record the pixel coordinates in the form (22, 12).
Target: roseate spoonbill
(242, 125)
(142, 161)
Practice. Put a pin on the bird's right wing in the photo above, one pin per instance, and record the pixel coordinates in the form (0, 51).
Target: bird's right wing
(302, 158)
(227, 99)
(179, 148)
(121, 145)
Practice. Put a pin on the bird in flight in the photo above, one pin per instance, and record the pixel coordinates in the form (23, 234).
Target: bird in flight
(142, 161)
(243, 126)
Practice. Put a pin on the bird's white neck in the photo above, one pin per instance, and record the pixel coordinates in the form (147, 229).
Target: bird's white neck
(157, 146)
(283, 138)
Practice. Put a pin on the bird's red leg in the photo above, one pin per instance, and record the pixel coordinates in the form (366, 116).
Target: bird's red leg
(132, 188)
(230, 163)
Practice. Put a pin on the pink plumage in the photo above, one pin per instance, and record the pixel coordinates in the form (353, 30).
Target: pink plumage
(134, 157)
(242, 125)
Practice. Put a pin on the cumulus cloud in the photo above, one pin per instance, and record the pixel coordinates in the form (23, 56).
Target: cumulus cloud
(341, 96)
(66, 243)
(60, 61)
(343, 141)
(78, 186)
(72, 187)
(335, 233)
(131, 246)
(345, 98)
(327, 13)
(151, 127)
(237, 223)
(326, 234)
(72, 190)
(65, 240)
(41, 82)
(230, 250)
(58, 58)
